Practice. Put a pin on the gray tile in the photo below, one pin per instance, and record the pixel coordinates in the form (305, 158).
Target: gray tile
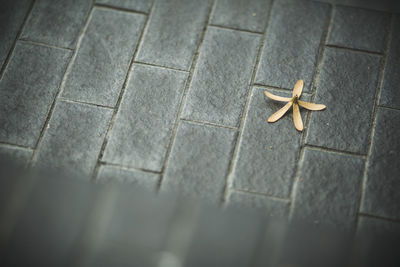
(382, 190)
(199, 161)
(15, 155)
(12, 14)
(143, 126)
(27, 90)
(173, 32)
(328, 189)
(269, 206)
(375, 225)
(135, 5)
(268, 152)
(72, 142)
(103, 58)
(56, 22)
(292, 43)
(390, 93)
(222, 76)
(359, 28)
(241, 14)
(111, 174)
(347, 86)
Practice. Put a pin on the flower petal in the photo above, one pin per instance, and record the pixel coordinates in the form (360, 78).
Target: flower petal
(311, 106)
(298, 88)
(298, 123)
(277, 115)
(276, 97)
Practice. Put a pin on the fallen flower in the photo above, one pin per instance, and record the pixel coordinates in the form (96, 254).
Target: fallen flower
(295, 101)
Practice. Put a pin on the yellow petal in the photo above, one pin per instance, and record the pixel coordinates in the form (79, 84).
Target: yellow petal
(298, 123)
(298, 88)
(311, 106)
(276, 97)
(277, 115)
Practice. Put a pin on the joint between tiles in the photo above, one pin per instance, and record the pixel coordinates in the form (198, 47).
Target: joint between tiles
(158, 66)
(44, 44)
(355, 50)
(234, 29)
(10, 145)
(205, 123)
(83, 103)
(121, 9)
(378, 217)
(262, 195)
(336, 151)
(125, 167)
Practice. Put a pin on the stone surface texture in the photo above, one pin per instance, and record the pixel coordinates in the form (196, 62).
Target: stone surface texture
(135, 5)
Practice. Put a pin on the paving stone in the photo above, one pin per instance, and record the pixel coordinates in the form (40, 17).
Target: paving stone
(72, 142)
(111, 174)
(143, 126)
(359, 29)
(199, 161)
(241, 14)
(382, 190)
(268, 206)
(268, 152)
(390, 94)
(103, 58)
(374, 225)
(221, 79)
(16, 155)
(328, 189)
(135, 5)
(347, 86)
(56, 22)
(27, 90)
(173, 32)
(12, 15)
(292, 43)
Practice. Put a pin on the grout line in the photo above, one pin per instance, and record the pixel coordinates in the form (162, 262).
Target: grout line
(386, 107)
(354, 50)
(158, 66)
(262, 195)
(324, 38)
(234, 29)
(121, 93)
(232, 165)
(110, 7)
(44, 44)
(9, 145)
(19, 33)
(205, 123)
(125, 167)
(61, 87)
(335, 151)
(83, 103)
(378, 217)
(185, 92)
(375, 109)
(278, 89)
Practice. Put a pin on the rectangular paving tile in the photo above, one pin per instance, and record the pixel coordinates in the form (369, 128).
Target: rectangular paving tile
(103, 58)
(270, 207)
(390, 95)
(27, 90)
(347, 86)
(369, 225)
(248, 15)
(328, 189)
(15, 155)
(56, 22)
(199, 161)
(173, 32)
(143, 126)
(359, 28)
(292, 43)
(73, 139)
(135, 5)
(112, 174)
(222, 76)
(12, 15)
(268, 152)
(382, 190)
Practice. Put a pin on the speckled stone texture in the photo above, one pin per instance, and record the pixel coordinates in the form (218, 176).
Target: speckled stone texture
(347, 86)
(73, 139)
(134, 5)
(199, 161)
(221, 80)
(56, 22)
(103, 58)
(382, 188)
(144, 123)
(292, 43)
(27, 90)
